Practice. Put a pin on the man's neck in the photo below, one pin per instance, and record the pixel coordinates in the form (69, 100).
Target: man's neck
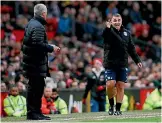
(40, 19)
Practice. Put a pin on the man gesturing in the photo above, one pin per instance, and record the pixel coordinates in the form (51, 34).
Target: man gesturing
(117, 45)
(35, 61)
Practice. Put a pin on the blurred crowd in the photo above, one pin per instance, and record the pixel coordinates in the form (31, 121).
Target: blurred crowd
(86, 19)
(75, 21)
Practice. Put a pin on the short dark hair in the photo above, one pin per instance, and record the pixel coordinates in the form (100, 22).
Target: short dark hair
(116, 15)
(12, 86)
(54, 90)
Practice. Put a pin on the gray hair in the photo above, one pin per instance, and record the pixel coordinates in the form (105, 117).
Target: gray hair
(39, 9)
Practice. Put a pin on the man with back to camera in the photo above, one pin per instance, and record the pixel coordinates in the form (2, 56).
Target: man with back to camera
(117, 45)
(35, 61)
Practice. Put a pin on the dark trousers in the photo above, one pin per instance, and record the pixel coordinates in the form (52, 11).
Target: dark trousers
(34, 94)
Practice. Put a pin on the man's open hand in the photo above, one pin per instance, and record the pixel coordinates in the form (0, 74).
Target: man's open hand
(56, 48)
(108, 24)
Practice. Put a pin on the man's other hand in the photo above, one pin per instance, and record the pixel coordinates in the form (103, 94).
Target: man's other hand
(108, 24)
(56, 48)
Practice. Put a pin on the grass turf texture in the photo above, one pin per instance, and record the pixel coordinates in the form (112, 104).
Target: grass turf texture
(130, 116)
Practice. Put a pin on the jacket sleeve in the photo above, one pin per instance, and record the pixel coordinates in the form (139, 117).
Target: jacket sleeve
(44, 108)
(105, 31)
(62, 107)
(8, 108)
(132, 51)
(105, 34)
(90, 84)
(38, 40)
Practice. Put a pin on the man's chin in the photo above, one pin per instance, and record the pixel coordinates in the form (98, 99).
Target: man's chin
(117, 27)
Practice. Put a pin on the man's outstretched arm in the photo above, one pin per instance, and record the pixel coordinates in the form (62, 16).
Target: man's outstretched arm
(133, 54)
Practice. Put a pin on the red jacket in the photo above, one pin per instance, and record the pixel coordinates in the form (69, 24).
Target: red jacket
(47, 106)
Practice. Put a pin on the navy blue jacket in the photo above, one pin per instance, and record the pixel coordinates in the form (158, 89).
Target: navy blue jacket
(117, 46)
(35, 48)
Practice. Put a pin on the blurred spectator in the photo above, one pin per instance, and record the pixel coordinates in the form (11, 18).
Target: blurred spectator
(6, 23)
(26, 8)
(61, 83)
(20, 78)
(3, 87)
(82, 85)
(156, 40)
(145, 35)
(96, 84)
(147, 11)
(111, 9)
(135, 13)
(74, 85)
(68, 79)
(50, 83)
(48, 106)
(60, 104)
(157, 26)
(139, 84)
(153, 101)
(64, 25)
(14, 104)
(54, 8)
(21, 22)
(21, 86)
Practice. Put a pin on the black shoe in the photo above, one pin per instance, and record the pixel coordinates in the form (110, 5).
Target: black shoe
(46, 117)
(111, 111)
(117, 113)
(36, 117)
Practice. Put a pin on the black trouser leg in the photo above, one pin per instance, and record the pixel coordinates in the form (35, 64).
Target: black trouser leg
(39, 94)
(34, 94)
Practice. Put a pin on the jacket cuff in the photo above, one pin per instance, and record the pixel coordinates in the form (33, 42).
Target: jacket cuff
(108, 29)
(137, 60)
(50, 48)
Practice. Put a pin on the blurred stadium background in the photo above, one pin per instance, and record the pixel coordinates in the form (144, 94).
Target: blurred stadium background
(76, 27)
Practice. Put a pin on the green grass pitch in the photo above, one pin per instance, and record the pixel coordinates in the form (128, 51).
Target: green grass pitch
(130, 116)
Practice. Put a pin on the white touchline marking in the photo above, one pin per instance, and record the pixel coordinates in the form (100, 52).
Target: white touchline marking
(120, 117)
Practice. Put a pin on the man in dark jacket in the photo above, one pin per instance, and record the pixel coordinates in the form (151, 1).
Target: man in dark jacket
(96, 84)
(35, 61)
(117, 45)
